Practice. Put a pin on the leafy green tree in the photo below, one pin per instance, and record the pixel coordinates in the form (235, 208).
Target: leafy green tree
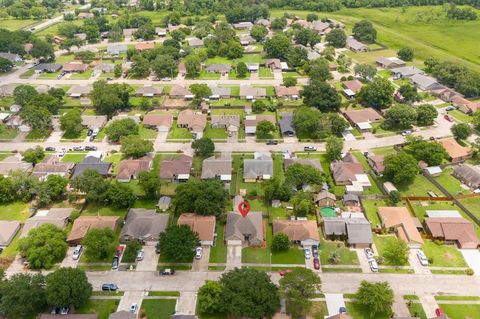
(275, 189)
(178, 243)
(165, 66)
(53, 189)
(298, 287)
(318, 70)
(279, 23)
(401, 168)
(430, 152)
(117, 70)
(120, 128)
(135, 146)
(364, 31)
(140, 67)
(44, 246)
(298, 175)
(33, 155)
(7, 190)
(396, 252)
(192, 65)
(426, 114)
(58, 93)
(71, 122)
(265, 130)
(278, 46)
(200, 91)
(395, 197)
(461, 131)
(249, 293)
(203, 146)
(121, 195)
(5, 65)
(305, 37)
(39, 118)
(334, 148)
(258, 32)
(312, 17)
(241, 69)
(302, 203)
(47, 101)
(280, 242)
(258, 106)
(322, 96)
(377, 94)
(297, 56)
(24, 184)
(235, 50)
(399, 117)
(24, 94)
(476, 120)
(92, 184)
(68, 286)
(376, 297)
(365, 71)
(22, 296)
(150, 183)
(406, 54)
(409, 93)
(206, 197)
(337, 38)
(99, 244)
(289, 81)
(145, 31)
(109, 98)
(210, 298)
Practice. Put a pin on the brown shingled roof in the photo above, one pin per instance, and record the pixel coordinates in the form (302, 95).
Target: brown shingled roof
(83, 224)
(203, 225)
(453, 229)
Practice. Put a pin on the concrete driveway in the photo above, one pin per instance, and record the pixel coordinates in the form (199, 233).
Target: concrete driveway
(202, 263)
(334, 302)
(150, 259)
(130, 297)
(415, 263)
(186, 303)
(472, 257)
(68, 261)
(362, 258)
(234, 256)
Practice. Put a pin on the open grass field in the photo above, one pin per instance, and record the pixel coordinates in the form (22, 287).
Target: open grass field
(425, 29)
(347, 256)
(16, 24)
(419, 187)
(102, 307)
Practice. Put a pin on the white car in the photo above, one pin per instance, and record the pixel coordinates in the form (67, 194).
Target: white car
(307, 253)
(77, 252)
(369, 253)
(198, 253)
(373, 265)
(134, 307)
(422, 258)
(140, 255)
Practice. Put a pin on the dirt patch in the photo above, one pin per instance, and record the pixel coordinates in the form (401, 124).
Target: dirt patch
(448, 256)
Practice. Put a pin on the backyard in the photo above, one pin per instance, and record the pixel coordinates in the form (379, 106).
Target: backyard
(15, 211)
(419, 187)
(450, 183)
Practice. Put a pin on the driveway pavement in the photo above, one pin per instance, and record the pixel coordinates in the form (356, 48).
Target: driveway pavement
(362, 258)
(429, 305)
(130, 297)
(234, 256)
(415, 263)
(202, 263)
(68, 261)
(150, 260)
(186, 303)
(472, 257)
(334, 302)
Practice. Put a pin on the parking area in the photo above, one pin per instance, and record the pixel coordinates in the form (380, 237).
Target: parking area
(150, 259)
(68, 261)
(334, 303)
(202, 263)
(234, 256)
(362, 258)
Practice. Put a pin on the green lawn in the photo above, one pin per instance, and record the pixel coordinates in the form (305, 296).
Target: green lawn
(81, 75)
(347, 256)
(443, 255)
(73, 157)
(237, 177)
(94, 210)
(159, 308)
(15, 211)
(229, 102)
(218, 253)
(232, 75)
(215, 133)
(7, 134)
(204, 75)
(472, 204)
(383, 151)
(265, 73)
(102, 307)
(178, 132)
(461, 311)
(460, 116)
(450, 183)
(381, 243)
(293, 256)
(147, 133)
(357, 311)
(419, 187)
(416, 310)
(82, 136)
(318, 310)
(27, 74)
(37, 135)
(259, 255)
(16, 24)
(115, 159)
(291, 74)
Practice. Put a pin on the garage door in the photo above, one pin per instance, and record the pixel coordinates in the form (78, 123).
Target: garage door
(234, 242)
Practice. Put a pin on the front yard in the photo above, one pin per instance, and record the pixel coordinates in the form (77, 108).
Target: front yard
(381, 242)
(461, 311)
(215, 133)
(102, 307)
(179, 132)
(159, 308)
(73, 157)
(345, 255)
(441, 255)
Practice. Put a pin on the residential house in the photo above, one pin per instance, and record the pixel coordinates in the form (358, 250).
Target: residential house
(376, 163)
(346, 170)
(195, 42)
(456, 152)
(176, 169)
(468, 174)
(314, 162)
(405, 72)
(274, 64)
(247, 25)
(117, 49)
(47, 67)
(250, 93)
(334, 226)
(263, 22)
(320, 26)
(55, 216)
(399, 221)
(220, 92)
(103, 68)
(259, 168)
(180, 92)
(164, 203)
(342, 316)
(351, 88)
(75, 67)
(218, 68)
(192, 121)
(325, 199)
(172, 27)
(251, 122)
(52, 166)
(246, 230)
(286, 124)
(149, 91)
(93, 122)
(390, 62)
(161, 32)
(17, 123)
(12, 57)
(218, 168)
(425, 83)
(352, 225)
(160, 122)
(351, 200)
(93, 160)
(442, 213)
(204, 226)
(356, 46)
(464, 105)
(78, 91)
(83, 224)
(456, 230)
(129, 169)
(14, 163)
(302, 232)
(85, 15)
(231, 123)
(8, 230)
(15, 108)
(144, 225)
(363, 118)
(128, 33)
(292, 92)
(252, 67)
(446, 94)
(144, 46)
(246, 39)
(69, 316)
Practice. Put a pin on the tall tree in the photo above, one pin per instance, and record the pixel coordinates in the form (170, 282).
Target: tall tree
(92, 184)
(377, 94)
(278, 46)
(322, 96)
(298, 287)
(400, 168)
(120, 128)
(99, 244)
(364, 31)
(68, 286)
(71, 122)
(334, 148)
(396, 252)
(178, 243)
(135, 146)
(337, 38)
(22, 296)
(203, 146)
(33, 155)
(376, 297)
(150, 183)
(207, 197)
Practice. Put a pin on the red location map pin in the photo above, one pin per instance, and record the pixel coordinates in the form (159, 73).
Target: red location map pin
(244, 208)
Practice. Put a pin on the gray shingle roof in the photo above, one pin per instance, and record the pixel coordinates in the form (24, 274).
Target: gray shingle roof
(468, 173)
(94, 163)
(359, 231)
(286, 123)
(144, 224)
(253, 168)
(239, 227)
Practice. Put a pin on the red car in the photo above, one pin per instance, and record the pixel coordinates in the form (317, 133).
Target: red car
(439, 311)
(119, 250)
(316, 263)
(283, 272)
(448, 118)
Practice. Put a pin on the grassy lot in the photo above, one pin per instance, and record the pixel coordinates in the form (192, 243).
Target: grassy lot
(416, 310)
(460, 116)
(472, 204)
(158, 308)
(115, 159)
(215, 133)
(7, 133)
(381, 243)
(82, 136)
(147, 133)
(204, 75)
(318, 310)
(461, 311)
(293, 256)
(15, 24)
(291, 74)
(259, 255)
(94, 210)
(371, 209)
(27, 74)
(232, 75)
(420, 208)
(357, 311)
(383, 151)
(102, 307)
(178, 132)
(375, 189)
(4, 155)
(347, 256)
(218, 253)
(443, 255)
(37, 135)
(237, 177)
(81, 75)
(14, 211)
(73, 157)
(8, 101)
(450, 183)
(229, 102)
(265, 73)
(419, 187)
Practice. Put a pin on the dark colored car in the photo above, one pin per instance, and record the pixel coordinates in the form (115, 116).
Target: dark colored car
(109, 287)
(309, 149)
(157, 248)
(315, 250)
(272, 142)
(115, 263)
(342, 310)
(89, 133)
(90, 148)
(316, 263)
(50, 149)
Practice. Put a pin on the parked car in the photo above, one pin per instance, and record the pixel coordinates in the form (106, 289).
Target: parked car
(90, 148)
(78, 148)
(422, 258)
(157, 248)
(1, 250)
(448, 118)
(167, 272)
(369, 253)
(134, 307)
(316, 263)
(65, 310)
(55, 310)
(50, 149)
(89, 132)
(450, 108)
(115, 263)
(283, 272)
(407, 132)
(119, 251)
(77, 252)
(315, 251)
(140, 255)
(307, 253)
(373, 265)
(166, 79)
(342, 310)
(439, 311)
(272, 142)
(309, 148)
(198, 253)
(109, 287)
